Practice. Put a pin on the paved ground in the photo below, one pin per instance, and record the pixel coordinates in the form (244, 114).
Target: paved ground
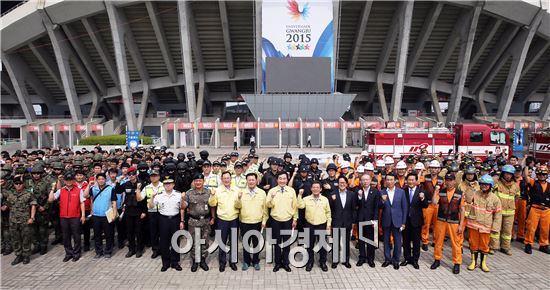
(520, 271)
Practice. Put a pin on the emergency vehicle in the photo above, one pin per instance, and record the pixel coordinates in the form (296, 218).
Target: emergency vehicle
(479, 139)
(539, 145)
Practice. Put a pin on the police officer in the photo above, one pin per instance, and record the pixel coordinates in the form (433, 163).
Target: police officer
(211, 180)
(330, 183)
(269, 180)
(314, 171)
(154, 188)
(288, 167)
(22, 205)
(171, 218)
(238, 179)
(40, 189)
(201, 217)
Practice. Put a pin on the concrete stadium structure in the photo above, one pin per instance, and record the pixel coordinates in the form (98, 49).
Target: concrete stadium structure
(125, 61)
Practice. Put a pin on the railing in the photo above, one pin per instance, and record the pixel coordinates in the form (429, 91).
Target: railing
(48, 117)
(8, 141)
(13, 8)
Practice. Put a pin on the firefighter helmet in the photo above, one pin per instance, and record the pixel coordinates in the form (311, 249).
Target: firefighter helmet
(487, 179)
(369, 166)
(508, 169)
(388, 160)
(401, 165)
(419, 166)
(434, 164)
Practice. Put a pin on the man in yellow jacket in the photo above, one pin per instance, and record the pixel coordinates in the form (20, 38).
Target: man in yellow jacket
(253, 217)
(507, 189)
(483, 217)
(284, 216)
(318, 218)
(224, 198)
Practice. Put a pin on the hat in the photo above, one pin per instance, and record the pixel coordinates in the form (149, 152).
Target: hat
(361, 168)
(314, 160)
(154, 172)
(198, 176)
(206, 163)
(303, 168)
(68, 176)
(234, 154)
(168, 180)
(18, 180)
(131, 169)
(238, 164)
(449, 176)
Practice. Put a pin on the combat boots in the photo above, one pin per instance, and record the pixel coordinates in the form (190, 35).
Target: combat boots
(484, 267)
(473, 265)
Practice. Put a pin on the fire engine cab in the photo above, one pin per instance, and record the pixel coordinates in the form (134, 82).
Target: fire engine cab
(479, 139)
(539, 145)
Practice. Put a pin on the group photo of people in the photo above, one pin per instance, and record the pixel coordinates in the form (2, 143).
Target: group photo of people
(135, 200)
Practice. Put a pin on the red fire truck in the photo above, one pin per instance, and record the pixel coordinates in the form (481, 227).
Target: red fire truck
(479, 139)
(539, 145)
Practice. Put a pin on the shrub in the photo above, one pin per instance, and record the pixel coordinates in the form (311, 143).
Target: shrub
(111, 140)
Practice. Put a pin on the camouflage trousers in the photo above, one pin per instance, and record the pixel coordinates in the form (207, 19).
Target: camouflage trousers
(204, 227)
(21, 237)
(40, 231)
(6, 241)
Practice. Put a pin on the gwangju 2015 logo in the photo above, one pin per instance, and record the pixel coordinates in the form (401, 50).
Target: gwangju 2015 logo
(295, 12)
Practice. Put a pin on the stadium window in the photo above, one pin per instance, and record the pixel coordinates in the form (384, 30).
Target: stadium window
(534, 107)
(37, 110)
(476, 137)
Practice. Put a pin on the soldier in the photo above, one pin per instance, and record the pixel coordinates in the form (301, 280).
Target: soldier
(53, 211)
(22, 205)
(201, 217)
(6, 185)
(40, 189)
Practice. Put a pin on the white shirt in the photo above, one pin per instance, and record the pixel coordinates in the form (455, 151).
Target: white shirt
(309, 138)
(252, 139)
(169, 204)
(235, 139)
(391, 193)
(343, 196)
(366, 192)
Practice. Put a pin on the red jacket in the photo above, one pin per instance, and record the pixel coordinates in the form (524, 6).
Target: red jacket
(69, 202)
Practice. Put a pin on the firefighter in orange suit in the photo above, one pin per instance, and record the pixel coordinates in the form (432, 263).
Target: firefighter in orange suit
(539, 214)
(450, 219)
(483, 217)
(521, 205)
(431, 183)
(507, 189)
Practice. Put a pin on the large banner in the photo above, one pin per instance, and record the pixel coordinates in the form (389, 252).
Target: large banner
(297, 28)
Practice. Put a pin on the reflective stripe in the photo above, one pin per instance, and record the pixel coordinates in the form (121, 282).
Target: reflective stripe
(478, 226)
(482, 209)
(506, 237)
(495, 236)
(505, 196)
(508, 211)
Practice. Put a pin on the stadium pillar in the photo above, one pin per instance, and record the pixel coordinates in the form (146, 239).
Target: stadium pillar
(122, 65)
(12, 63)
(185, 37)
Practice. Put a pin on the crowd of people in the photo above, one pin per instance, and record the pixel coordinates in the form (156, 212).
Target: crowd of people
(146, 195)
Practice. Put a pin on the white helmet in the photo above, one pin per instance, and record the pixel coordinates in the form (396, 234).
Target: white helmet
(380, 163)
(396, 155)
(344, 164)
(388, 160)
(360, 169)
(435, 164)
(419, 166)
(364, 153)
(370, 167)
(401, 165)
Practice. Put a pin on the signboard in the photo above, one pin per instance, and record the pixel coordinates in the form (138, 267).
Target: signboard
(269, 125)
(48, 128)
(518, 140)
(79, 128)
(97, 127)
(311, 125)
(509, 125)
(290, 125)
(331, 125)
(228, 125)
(297, 28)
(185, 126)
(393, 125)
(63, 128)
(32, 128)
(353, 125)
(373, 125)
(248, 125)
(132, 139)
(170, 126)
(207, 125)
(162, 114)
(411, 124)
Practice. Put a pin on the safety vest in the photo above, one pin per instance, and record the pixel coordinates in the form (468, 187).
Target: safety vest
(211, 182)
(150, 190)
(449, 209)
(69, 202)
(241, 183)
(538, 196)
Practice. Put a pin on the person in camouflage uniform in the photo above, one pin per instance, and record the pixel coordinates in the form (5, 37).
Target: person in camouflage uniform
(53, 211)
(21, 202)
(201, 217)
(5, 185)
(40, 188)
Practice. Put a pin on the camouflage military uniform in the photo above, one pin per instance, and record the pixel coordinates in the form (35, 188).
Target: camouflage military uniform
(199, 217)
(53, 210)
(40, 230)
(6, 241)
(20, 204)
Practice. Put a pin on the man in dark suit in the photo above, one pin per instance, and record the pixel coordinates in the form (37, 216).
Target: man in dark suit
(416, 201)
(394, 218)
(368, 200)
(343, 204)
